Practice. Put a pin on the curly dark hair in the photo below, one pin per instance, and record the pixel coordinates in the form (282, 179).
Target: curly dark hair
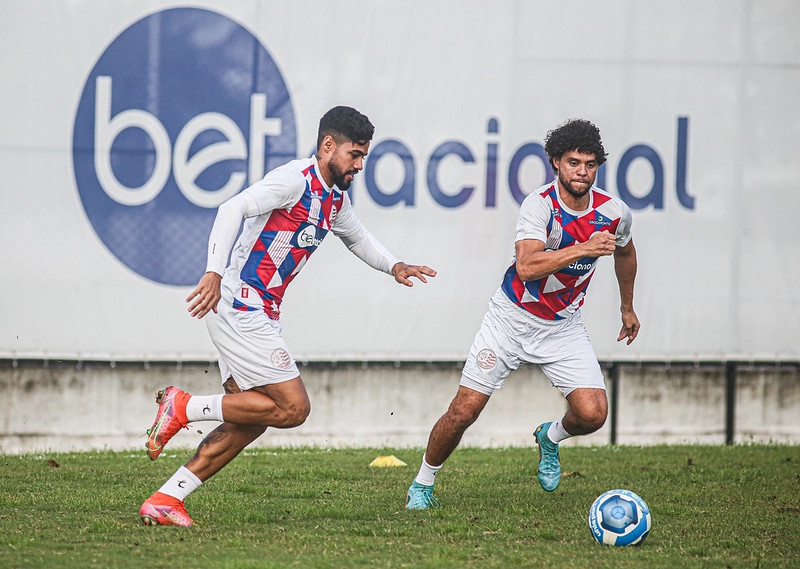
(345, 123)
(575, 134)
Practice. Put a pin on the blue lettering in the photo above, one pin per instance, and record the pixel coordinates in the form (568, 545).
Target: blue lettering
(405, 193)
(655, 196)
(682, 151)
(445, 149)
(529, 149)
(633, 196)
(600, 181)
(491, 165)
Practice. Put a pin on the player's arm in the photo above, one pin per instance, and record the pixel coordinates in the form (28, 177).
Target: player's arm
(281, 188)
(533, 262)
(366, 247)
(625, 269)
(533, 258)
(206, 295)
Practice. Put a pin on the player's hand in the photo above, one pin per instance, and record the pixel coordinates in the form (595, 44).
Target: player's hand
(401, 273)
(206, 295)
(600, 244)
(630, 326)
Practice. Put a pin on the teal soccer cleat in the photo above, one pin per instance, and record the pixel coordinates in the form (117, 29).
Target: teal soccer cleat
(549, 464)
(420, 497)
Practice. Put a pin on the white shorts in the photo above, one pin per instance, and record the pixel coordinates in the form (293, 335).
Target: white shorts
(509, 337)
(250, 346)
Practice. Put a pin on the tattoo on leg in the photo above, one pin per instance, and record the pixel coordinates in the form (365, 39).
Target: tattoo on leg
(231, 386)
(214, 437)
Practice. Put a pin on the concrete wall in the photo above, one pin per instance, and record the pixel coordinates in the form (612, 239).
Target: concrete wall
(64, 406)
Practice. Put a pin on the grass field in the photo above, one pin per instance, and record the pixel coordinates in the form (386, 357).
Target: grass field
(736, 507)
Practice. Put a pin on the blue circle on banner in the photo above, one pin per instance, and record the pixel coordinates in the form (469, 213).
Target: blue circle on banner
(184, 109)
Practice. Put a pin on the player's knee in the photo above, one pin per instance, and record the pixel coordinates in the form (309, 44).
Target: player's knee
(296, 414)
(463, 416)
(594, 418)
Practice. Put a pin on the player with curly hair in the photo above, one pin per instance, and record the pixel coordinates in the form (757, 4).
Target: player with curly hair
(562, 230)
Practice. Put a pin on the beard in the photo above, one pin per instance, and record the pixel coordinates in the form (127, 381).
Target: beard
(571, 190)
(340, 177)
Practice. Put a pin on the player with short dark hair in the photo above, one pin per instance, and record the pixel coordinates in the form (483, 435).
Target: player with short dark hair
(562, 230)
(342, 123)
(286, 216)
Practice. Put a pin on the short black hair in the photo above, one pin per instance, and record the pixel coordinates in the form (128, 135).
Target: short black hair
(345, 123)
(575, 134)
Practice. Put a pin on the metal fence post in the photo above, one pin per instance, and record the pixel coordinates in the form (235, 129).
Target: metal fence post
(730, 401)
(613, 374)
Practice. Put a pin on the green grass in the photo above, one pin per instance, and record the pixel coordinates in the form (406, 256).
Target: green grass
(736, 507)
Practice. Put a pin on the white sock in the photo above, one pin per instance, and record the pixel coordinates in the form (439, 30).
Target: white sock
(182, 483)
(556, 432)
(204, 408)
(427, 473)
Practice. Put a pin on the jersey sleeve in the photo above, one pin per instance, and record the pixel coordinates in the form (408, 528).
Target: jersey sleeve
(623, 234)
(279, 189)
(534, 215)
(360, 241)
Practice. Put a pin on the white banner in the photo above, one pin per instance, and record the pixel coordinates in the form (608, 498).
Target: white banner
(125, 124)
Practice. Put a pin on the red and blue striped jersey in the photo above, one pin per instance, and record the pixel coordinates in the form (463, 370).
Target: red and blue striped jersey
(544, 217)
(274, 247)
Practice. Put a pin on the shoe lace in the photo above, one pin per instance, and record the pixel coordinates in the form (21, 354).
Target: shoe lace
(549, 454)
(426, 497)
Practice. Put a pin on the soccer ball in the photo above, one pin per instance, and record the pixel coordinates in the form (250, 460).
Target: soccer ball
(619, 517)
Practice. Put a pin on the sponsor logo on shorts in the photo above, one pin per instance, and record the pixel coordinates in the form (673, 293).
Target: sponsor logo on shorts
(486, 359)
(281, 359)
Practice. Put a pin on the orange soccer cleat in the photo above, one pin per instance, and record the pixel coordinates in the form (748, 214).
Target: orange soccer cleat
(160, 509)
(170, 418)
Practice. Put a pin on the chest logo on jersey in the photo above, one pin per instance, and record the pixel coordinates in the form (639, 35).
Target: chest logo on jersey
(582, 267)
(307, 237)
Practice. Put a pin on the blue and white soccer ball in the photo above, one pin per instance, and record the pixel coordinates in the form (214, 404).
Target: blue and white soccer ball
(619, 517)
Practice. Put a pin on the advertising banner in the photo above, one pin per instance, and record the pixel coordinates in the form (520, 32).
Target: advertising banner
(126, 124)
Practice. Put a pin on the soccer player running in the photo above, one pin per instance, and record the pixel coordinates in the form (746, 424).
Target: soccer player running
(534, 317)
(286, 215)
